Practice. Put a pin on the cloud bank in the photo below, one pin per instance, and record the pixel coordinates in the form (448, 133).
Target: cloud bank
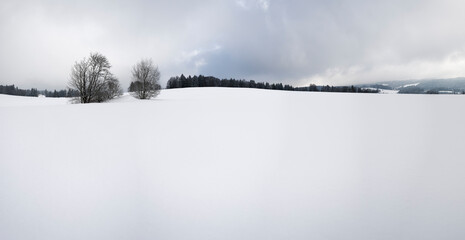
(298, 42)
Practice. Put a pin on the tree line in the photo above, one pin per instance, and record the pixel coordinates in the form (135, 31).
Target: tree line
(209, 81)
(33, 92)
(13, 90)
(59, 93)
(92, 81)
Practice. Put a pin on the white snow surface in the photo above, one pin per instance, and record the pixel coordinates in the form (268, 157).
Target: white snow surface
(387, 91)
(18, 101)
(219, 163)
(411, 85)
(384, 91)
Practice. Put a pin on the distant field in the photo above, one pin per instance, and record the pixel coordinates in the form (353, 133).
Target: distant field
(220, 163)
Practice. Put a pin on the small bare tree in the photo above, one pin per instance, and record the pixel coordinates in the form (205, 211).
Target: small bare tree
(146, 77)
(93, 79)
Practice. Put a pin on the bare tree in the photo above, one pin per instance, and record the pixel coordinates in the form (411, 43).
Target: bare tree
(93, 79)
(146, 77)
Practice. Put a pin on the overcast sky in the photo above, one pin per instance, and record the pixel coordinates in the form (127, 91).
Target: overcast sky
(298, 42)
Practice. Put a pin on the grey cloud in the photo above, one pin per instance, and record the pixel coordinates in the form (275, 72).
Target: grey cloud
(297, 42)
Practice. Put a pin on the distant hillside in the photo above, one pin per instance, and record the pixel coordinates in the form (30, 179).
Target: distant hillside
(430, 86)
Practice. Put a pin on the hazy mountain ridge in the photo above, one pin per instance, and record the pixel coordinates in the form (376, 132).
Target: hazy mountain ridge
(447, 85)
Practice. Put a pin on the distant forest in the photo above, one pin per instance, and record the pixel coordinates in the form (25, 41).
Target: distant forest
(13, 90)
(33, 92)
(195, 81)
(203, 81)
(60, 93)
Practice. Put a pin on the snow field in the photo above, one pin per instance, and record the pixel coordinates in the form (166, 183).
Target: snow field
(218, 163)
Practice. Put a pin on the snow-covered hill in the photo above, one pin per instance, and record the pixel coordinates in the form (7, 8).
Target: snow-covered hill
(218, 163)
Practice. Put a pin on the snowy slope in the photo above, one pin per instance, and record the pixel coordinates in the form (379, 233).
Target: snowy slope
(13, 101)
(218, 163)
